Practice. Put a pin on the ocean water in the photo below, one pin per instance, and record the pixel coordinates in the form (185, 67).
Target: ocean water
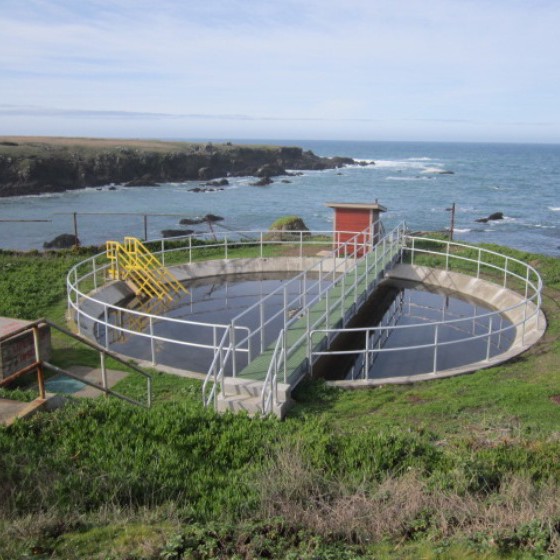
(522, 181)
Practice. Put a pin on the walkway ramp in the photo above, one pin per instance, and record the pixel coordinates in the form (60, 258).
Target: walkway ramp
(265, 384)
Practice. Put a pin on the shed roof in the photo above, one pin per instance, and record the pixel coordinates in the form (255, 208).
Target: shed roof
(358, 206)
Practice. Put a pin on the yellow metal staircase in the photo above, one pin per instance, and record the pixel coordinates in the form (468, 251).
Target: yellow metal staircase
(133, 263)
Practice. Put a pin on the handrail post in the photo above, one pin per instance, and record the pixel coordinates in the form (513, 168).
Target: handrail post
(285, 344)
(301, 247)
(262, 331)
(225, 248)
(163, 252)
(190, 249)
(478, 263)
(506, 272)
(106, 321)
(103, 372)
(489, 339)
(94, 271)
(524, 322)
(366, 357)
(436, 340)
(234, 349)
(309, 348)
(261, 244)
(152, 341)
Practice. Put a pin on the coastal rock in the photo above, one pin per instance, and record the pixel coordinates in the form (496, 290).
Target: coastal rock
(494, 216)
(219, 183)
(270, 170)
(206, 189)
(342, 161)
(263, 182)
(205, 173)
(63, 241)
(141, 182)
(191, 221)
(213, 218)
(286, 227)
(176, 232)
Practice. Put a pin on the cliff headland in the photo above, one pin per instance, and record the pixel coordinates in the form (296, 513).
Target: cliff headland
(37, 165)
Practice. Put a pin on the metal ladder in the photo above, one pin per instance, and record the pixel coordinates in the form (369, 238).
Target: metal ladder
(135, 264)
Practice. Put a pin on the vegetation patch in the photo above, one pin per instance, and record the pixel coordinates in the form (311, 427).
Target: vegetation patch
(459, 468)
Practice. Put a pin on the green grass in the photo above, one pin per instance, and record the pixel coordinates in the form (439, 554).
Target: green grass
(472, 460)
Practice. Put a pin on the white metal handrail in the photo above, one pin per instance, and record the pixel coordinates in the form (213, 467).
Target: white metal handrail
(368, 352)
(95, 273)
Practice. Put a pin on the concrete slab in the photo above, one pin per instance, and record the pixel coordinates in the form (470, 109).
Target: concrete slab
(93, 375)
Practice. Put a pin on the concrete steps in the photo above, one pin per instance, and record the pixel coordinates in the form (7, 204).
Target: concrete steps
(244, 395)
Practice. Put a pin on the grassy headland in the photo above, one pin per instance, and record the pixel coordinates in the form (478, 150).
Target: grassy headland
(35, 165)
(458, 468)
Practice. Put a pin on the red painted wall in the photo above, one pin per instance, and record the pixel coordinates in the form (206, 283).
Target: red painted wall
(351, 220)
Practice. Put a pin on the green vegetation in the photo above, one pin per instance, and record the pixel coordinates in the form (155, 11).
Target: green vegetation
(458, 468)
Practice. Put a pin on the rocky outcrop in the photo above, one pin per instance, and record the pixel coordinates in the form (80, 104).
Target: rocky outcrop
(494, 216)
(62, 241)
(41, 165)
(284, 227)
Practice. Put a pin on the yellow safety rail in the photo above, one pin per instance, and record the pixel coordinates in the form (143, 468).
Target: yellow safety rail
(133, 263)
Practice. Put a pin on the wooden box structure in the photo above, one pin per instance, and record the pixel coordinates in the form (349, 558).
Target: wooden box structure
(18, 351)
(356, 226)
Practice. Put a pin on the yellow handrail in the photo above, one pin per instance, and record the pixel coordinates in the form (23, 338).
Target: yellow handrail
(132, 261)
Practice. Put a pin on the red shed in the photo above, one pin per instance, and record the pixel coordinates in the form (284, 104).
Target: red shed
(351, 218)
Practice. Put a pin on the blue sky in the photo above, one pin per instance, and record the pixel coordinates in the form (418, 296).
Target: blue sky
(461, 70)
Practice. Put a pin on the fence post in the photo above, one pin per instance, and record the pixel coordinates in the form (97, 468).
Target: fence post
(77, 243)
(190, 249)
(506, 272)
(261, 244)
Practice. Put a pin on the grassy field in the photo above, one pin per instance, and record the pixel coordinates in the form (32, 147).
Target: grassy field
(30, 146)
(459, 468)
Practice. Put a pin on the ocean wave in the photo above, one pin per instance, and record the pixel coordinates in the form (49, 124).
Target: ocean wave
(435, 170)
(398, 164)
(419, 159)
(462, 230)
(540, 226)
(554, 208)
(405, 178)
